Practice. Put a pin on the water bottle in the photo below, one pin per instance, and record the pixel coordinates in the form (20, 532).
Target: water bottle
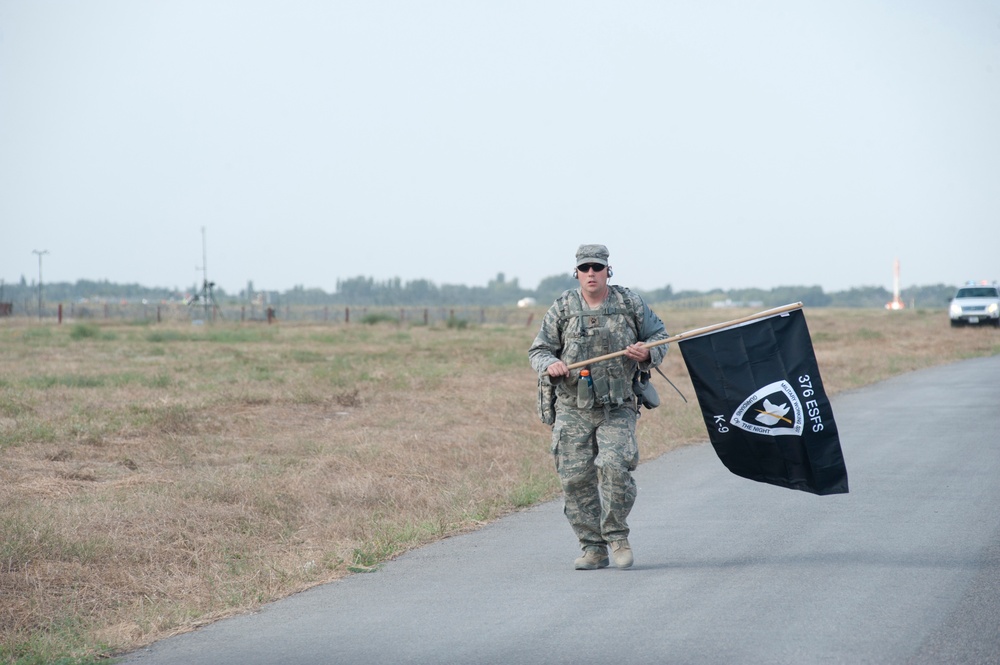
(585, 390)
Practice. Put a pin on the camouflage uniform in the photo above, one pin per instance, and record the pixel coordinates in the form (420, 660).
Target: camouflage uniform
(593, 434)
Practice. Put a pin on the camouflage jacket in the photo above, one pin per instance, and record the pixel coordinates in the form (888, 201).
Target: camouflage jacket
(572, 332)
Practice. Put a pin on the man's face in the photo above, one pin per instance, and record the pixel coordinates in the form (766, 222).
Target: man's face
(593, 278)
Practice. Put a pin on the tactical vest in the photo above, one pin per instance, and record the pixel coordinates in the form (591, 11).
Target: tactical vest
(588, 333)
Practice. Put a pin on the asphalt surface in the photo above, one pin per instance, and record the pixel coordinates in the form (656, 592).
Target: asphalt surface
(904, 569)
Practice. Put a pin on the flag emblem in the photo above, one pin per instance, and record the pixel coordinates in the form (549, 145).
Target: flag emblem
(774, 410)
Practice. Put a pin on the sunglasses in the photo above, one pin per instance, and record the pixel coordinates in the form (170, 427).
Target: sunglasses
(587, 267)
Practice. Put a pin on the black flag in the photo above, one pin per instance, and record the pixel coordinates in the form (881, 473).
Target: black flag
(767, 414)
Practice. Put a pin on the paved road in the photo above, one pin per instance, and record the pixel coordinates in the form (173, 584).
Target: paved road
(904, 569)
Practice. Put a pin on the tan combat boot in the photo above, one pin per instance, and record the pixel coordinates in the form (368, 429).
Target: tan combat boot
(592, 560)
(621, 552)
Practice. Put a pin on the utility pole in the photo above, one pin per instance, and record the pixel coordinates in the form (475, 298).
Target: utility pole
(40, 253)
(204, 269)
(207, 299)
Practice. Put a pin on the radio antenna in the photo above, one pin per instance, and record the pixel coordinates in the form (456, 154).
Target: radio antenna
(206, 297)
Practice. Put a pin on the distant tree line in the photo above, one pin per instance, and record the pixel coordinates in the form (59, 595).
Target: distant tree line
(366, 291)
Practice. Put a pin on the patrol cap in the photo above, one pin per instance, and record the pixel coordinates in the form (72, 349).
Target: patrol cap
(592, 254)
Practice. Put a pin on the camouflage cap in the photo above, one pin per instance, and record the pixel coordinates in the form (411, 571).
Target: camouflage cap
(592, 254)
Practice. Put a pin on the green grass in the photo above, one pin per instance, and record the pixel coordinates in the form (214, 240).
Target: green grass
(48, 647)
(166, 336)
(379, 317)
(120, 380)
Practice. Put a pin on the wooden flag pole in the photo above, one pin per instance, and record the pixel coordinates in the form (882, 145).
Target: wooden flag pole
(695, 333)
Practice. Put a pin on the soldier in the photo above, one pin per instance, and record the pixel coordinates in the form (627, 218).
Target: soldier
(593, 417)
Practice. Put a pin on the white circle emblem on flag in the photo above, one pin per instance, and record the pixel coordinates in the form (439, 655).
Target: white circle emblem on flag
(773, 410)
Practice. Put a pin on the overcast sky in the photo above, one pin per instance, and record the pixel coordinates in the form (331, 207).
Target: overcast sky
(709, 144)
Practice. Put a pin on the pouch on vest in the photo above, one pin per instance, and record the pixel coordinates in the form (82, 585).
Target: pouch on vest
(617, 392)
(546, 399)
(645, 391)
(601, 390)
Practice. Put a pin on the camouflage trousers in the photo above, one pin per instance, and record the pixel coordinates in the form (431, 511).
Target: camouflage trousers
(595, 453)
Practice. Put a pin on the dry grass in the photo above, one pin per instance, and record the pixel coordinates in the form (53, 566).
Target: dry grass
(154, 478)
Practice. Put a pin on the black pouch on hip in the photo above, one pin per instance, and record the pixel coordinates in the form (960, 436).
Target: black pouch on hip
(546, 399)
(644, 390)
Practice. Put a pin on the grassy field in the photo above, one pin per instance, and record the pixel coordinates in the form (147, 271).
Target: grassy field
(157, 477)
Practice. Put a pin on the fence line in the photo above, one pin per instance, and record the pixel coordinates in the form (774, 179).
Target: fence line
(176, 312)
(243, 312)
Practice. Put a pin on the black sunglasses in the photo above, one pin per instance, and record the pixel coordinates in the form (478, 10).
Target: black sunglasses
(587, 267)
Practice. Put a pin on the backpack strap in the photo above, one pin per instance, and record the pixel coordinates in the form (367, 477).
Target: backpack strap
(632, 308)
